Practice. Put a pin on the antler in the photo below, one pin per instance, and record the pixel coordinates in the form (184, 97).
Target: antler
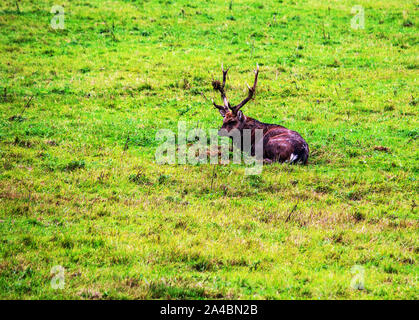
(220, 87)
(222, 108)
(250, 95)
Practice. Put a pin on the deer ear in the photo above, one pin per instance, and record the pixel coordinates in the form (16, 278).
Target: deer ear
(222, 112)
(240, 115)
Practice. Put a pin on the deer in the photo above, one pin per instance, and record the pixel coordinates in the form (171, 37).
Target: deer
(279, 143)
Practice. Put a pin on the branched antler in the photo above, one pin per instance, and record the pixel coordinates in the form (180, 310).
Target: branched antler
(218, 86)
(222, 108)
(250, 94)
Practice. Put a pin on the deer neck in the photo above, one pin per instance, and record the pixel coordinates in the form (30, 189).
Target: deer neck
(253, 124)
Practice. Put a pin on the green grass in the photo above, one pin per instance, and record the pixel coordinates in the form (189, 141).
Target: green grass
(75, 192)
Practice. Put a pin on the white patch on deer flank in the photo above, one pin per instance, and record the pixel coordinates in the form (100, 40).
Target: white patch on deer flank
(293, 157)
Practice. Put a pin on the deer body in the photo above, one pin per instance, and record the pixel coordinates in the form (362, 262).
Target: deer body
(279, 143)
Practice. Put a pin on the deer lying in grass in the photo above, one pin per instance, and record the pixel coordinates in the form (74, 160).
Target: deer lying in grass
(279, 143)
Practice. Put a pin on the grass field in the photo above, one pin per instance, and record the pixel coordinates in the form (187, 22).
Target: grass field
(79, 186)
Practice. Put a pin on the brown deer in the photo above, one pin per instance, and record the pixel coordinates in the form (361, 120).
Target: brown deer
(279, 143)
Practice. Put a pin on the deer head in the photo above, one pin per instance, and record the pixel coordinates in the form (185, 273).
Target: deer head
(233, 118)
